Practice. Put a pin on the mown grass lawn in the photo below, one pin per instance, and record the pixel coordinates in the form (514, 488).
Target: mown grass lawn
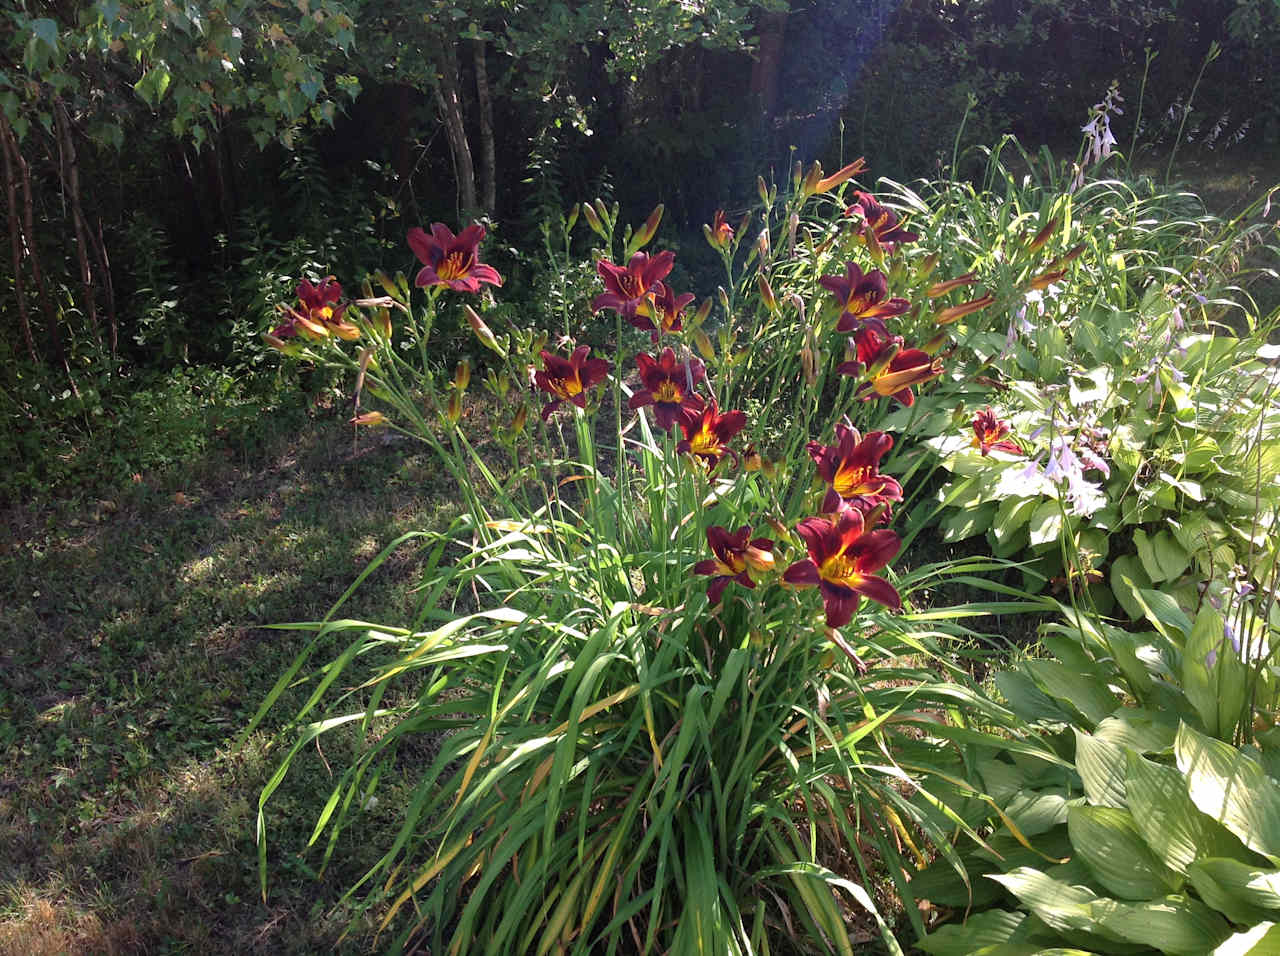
(132, 654)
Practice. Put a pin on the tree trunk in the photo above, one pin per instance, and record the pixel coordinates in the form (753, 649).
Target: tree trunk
(488, 163)
(15, 241)
(69, 169)
(450, 104)
(764, 74)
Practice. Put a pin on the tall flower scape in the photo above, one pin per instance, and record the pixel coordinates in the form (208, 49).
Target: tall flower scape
(678, 691)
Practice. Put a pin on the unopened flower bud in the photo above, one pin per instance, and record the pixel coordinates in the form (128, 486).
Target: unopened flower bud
(387, 284)
(797, 175)
(935, 344)
(809, 184)
(649, 229)
(700, 315)
(927, 265)
(762, 190)
(1073, 253)
(793, 223)
(942, 288)
(1041, 237)
(482, 331)
(952, 313)
(571, 220)
(276, 343)
(758, 559)
(462, 376)
(369, 418)
(454, 409)
(703, 343)
(1046, 279)
(779, 528)
(809, 365)
(766, 293)
(593, 219)
(723, 296)
(751, 460)
(517, 422)
(840, 176)
(384, 323)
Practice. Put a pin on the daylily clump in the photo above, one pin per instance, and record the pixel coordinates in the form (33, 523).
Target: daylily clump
(451, 260)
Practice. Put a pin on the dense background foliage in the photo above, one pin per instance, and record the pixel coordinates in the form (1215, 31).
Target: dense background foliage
(170, 170)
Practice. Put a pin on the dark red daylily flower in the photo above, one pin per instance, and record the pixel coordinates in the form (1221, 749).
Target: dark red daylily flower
(628, 287)
(871, 344)
(735, 558)
(451, 260)
(668, 387)
(317, 314)
(568, 379)
(862, 298)
(663, 311)
(843, 559)
(880, 224)
(851, 469)
(989, 432)
(707, 432)
(719, 234)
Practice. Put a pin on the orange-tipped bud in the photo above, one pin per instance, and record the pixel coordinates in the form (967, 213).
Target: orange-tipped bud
(650, 228)
(793, 224)
(369, 418)
(700, 316)
(762, 244)
(1046, 279)
(571, 219)
(279, 344)
(345, 331)
(703, 344)
(882, 362)
(517, 422)
(942, 288)
(758, 559)
(935, 344)
(384, 323)
(603, 211)
(954, 312)
(797, 175)
(539, 342)
(927, 265)
(366, 356)
(1073, 253)
(766, 293)
(780, 529)
(840, 176)
(593, 219)
(1041, 237)
(462, 376)
(809, 185)
(762, 190)
(723, 297)
(483, 332)
(454, 409)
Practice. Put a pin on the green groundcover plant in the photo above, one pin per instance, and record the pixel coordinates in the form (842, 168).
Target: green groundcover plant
(677, 698)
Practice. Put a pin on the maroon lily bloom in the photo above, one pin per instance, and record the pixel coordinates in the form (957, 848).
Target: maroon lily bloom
(628, 287)
(568, 379)
(661, 314)
(317, 314)
(989, 432)
(843, 559)
(719, 234)
(668, 387)
(707, 432)
(880, 224)
(862, 298)
(735, 558)
(451, 260)
(851, 469)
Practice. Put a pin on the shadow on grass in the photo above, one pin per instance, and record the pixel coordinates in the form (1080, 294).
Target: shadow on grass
(132, 653)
